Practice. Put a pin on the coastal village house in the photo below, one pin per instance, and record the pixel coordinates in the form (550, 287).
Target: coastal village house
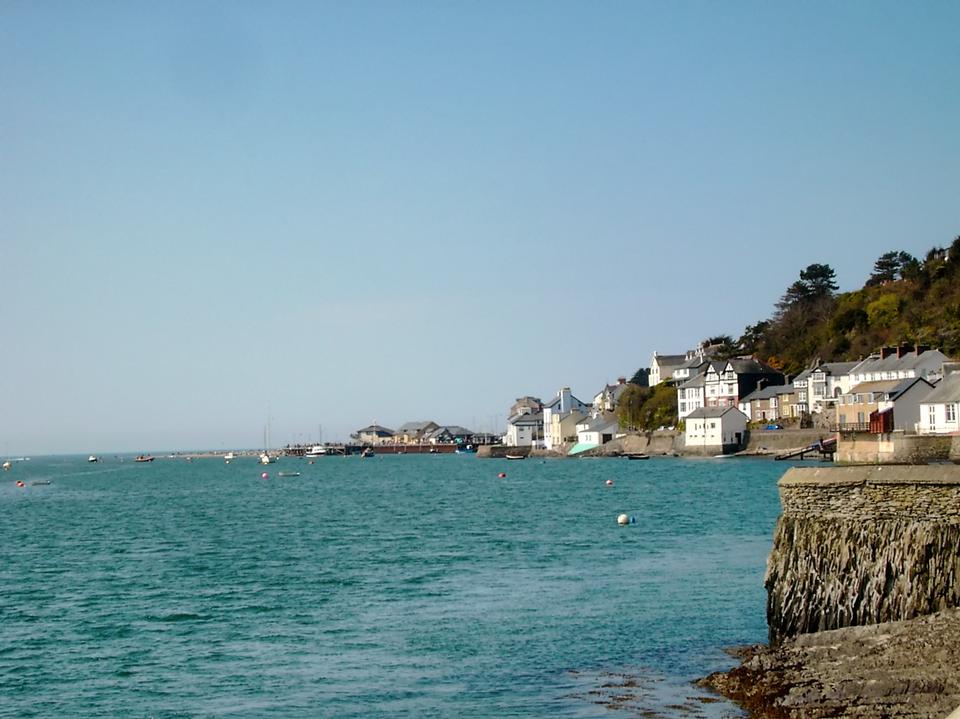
(940, 409)
(524, 430)
(662, 367)
(525, 423)
(882, 406)
(607, 399)
(690, 395)
(595, 431)
(414, 432)
(769, 404)
(374, 434)
(715, 430)
(824, 384)
(560, 417)
(901, 362)
(726, 382)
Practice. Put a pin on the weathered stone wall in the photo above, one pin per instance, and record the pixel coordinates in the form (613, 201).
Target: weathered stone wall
(862, 545)
(896, 447)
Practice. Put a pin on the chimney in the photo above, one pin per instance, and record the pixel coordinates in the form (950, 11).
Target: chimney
(903, 350)
(621, 380)
(921, 349)
(887, 352)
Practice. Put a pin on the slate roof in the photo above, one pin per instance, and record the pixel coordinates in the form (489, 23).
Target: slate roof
(710, 412)
(527, 418)
(376, 429)
(413, 427)
(698, 381)
(892, 363)
(768, 392)
(876, 386)
(837, 369)
(947, 390)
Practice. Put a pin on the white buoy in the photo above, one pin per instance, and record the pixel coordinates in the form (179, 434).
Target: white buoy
(623, 519)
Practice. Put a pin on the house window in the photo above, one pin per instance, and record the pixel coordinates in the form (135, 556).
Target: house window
(713, 425)
(860, 418)
(932, 417)
(951, 412)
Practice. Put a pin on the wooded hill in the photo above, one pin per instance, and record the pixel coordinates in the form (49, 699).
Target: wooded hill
(905, 301)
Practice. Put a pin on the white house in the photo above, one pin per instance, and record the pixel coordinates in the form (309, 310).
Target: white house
(728, 381)
(662, 367)
(607, 399)
(524, 430)
(690, 396)
(595, 431)
(555, 411)
(714, 430)
(940, 410)
(898, 363)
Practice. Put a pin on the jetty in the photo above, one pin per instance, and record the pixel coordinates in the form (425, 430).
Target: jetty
(825, 448)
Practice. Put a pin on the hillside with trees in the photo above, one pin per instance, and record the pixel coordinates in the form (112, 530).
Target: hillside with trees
(905, 300)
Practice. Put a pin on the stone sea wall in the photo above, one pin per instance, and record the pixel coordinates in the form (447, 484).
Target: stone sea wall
(863, 545)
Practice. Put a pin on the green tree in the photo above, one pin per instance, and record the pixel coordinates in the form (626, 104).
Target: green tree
(630, 406)
(890, 266)
(883, 311)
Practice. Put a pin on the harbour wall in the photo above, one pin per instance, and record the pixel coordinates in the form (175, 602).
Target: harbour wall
(863, 545)
(896, 447)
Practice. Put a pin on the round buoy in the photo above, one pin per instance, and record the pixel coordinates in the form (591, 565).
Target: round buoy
(20, 483)
(502, 475)
(264, 476)
(609, 482)
(623, 519)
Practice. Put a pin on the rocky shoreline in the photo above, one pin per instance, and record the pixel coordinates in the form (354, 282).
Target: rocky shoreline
(905, 669)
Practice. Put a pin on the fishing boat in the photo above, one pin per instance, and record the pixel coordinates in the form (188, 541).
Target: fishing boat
(229, 456)
(317, 450)
(265, 458)
(516, 456)
(93, 458)
(144, 458)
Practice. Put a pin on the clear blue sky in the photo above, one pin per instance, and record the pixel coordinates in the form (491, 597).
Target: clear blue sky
(398, 211)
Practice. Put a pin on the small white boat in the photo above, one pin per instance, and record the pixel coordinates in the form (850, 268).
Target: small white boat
(6, 466)
(229, 456)
(93, 458)
(288, 474)
(516, 456)
(267, 459)
(317, 450)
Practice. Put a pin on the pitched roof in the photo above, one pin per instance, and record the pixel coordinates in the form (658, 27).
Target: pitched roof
(837, 368)
(884, 385)
(528, 418)
(947, 390)
(376, 429)
(698, 381)
(708, 412)
(767, 392)
(909, 361)
(414, 426)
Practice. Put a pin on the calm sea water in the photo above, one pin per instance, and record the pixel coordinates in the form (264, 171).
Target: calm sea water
(395, 586)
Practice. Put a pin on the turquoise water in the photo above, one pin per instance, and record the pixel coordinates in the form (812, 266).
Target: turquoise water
(418, 586)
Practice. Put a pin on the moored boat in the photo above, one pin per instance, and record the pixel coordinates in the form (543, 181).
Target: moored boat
(93, 458)
(516, 456)
(144, 458)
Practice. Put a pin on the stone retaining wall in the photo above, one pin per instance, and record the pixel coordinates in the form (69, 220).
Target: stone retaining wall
(862, 545)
